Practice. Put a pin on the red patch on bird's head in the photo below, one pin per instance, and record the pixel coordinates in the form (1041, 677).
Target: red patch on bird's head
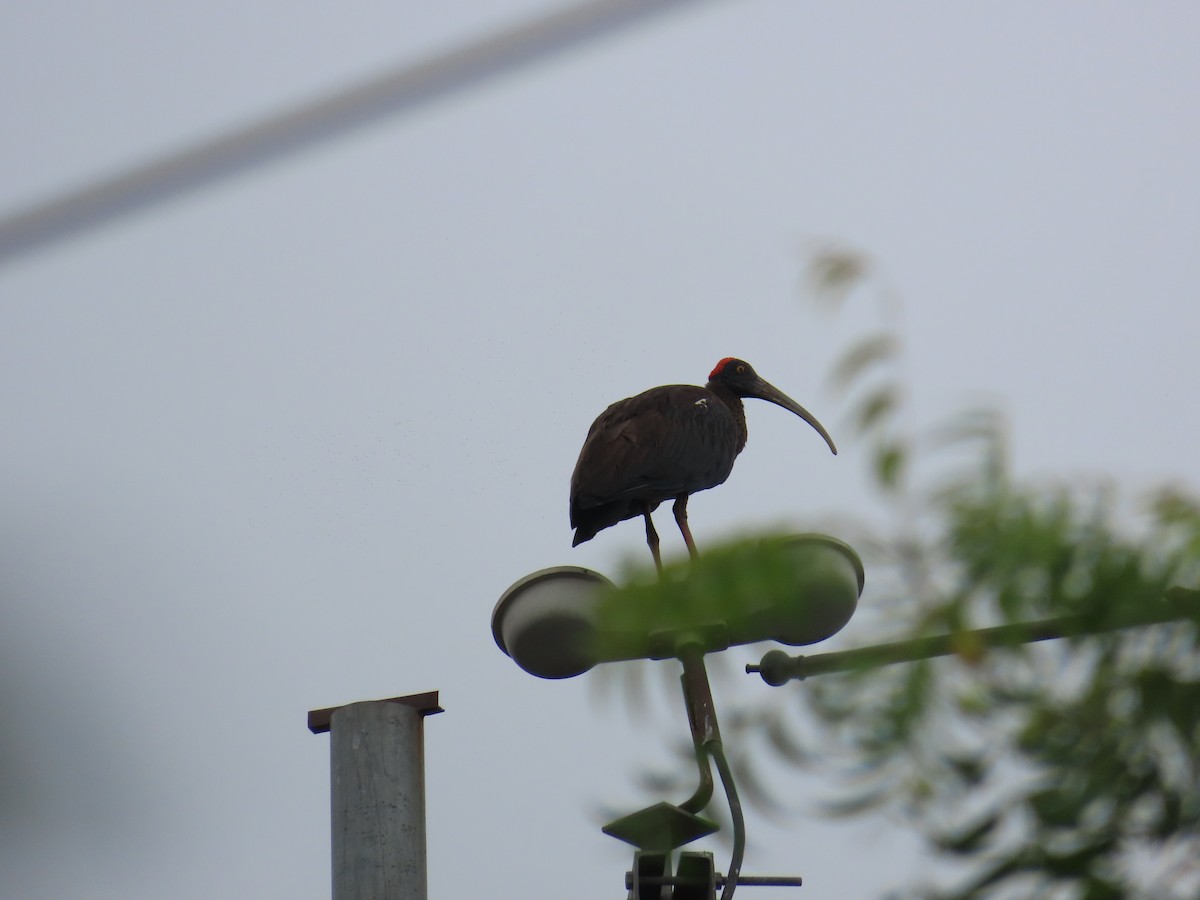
(719, 366)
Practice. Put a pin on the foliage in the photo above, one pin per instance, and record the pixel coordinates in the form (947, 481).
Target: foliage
(1072, 766)
(1062, 769)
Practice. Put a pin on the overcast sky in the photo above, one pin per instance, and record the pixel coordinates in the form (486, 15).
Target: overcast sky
(282, 443)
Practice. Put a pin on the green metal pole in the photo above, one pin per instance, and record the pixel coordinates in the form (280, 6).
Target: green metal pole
(777, 667)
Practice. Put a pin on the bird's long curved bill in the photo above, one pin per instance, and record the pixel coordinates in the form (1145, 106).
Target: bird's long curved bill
(772, 394)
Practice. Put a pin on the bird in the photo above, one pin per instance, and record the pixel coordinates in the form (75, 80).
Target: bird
(667, 443)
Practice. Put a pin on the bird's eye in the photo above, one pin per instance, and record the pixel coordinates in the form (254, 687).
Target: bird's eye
(741, 370)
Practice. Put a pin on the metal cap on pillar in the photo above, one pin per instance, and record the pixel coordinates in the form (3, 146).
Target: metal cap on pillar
(377, 794)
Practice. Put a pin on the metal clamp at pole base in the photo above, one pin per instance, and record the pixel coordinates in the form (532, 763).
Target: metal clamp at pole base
(695, 878)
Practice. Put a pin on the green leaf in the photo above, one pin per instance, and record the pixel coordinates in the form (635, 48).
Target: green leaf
(875, 407)
(890, 459)
(1054, 807)
(971, 838)
(874, 350)
(972, 770)
(856, 804)
(833, 272)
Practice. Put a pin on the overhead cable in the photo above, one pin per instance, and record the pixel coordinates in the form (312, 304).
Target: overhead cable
(327, 117)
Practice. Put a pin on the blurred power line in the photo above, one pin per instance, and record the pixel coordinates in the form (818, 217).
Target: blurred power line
(321, 119)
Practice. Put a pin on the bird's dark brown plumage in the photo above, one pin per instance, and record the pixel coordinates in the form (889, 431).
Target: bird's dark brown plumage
(666, 443)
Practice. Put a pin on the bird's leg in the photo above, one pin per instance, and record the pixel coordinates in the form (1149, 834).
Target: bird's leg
(652, 537)
(680, 510)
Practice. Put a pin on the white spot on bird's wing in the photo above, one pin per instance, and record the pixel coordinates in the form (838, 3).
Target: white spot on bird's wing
(703, 401)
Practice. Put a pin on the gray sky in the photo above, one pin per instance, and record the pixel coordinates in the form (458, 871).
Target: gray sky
(281, 444)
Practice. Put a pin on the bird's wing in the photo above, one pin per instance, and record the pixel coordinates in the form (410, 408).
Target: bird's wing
(662, 441)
